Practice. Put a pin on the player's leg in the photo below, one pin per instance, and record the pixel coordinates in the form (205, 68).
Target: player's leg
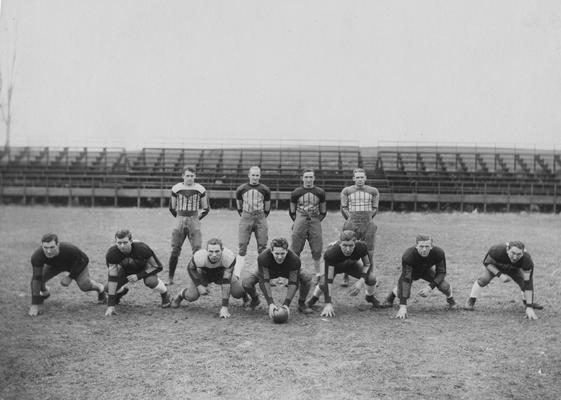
(354, 269)
(390, 298)
(189, 292)
(244, 234)
(249, 287)
(236, 288)
(86, 284)
(305, 282)
(261, 233)
(443, 287)
(194, 233)
(370, 230)
(155, 283)
(49, 272)
(477, 288)
(315, 240)
(518, 277)
(178, 236)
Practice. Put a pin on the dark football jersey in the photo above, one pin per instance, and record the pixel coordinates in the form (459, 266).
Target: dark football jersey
(69, 258)
(499, 254)
(421, 264)
(266, 260)
(308, 200)
(253, 196)
(133, 262)
(334, 255)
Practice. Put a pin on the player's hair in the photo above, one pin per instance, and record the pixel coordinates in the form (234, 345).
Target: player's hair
(279, 242)
(49, 237)
(308, 170)
(358, 170)
(423, 238)
(188, 168)
(347, 235)
(255, 167)
(516, 243)
(123, 233)
(215, 241)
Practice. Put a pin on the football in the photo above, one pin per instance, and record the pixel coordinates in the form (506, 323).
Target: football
(280, 315)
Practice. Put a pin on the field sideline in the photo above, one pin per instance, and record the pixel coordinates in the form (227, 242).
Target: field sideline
(74, 352)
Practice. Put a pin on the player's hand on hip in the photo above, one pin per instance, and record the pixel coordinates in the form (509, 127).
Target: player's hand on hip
(356, 287)
(328, 311)
(530, 313)
(402, 312)
(424, 292)
(35, 310)
(272, 308)
(224, 312)
(110, 311)
(67, 280)
(132, 278)
(203, 290)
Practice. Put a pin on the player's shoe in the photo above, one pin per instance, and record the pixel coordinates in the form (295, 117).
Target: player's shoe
(451, 303)
(345, 281)
(388, 301)
(253, 303)
(304, 309)
(119, 295)
(470, 304)
(374, 303)
(311, 303)
(536, 306)
(170, 281)
(45, 295)
(166, 300)
(176, 301)
(102, 297)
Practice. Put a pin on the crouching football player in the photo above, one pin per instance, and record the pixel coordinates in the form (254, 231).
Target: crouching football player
(129, 261)
(424, 261)
(278, 262)
(508, 261)
(53, 258)
(215, 264)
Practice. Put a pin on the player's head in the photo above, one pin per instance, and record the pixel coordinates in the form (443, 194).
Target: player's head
(214, 249)
(423, 245)
(279, 249)
(254, 175)
(359, 177)
(123, 240)
(308, 177)
(49, 244)
(347, 242)
(515, 250)
(188, 175)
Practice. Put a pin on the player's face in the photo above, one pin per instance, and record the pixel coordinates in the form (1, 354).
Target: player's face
(188, 178)
(214, 253)
(515, 254)
(347, 247)
(424, 247)
(124, 245)
(308, 179)
(51, 249)
(279, 254)
(254, 176)
(359, 178)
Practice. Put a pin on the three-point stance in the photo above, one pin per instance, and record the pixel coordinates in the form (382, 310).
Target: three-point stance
(359, 205)
(253, 201)
(423, 261)
(307, 210)
(278, 262)
(53, 258)
(348, 256)
(508, 261)
(129, 261)
(215, 264)
(187, 198)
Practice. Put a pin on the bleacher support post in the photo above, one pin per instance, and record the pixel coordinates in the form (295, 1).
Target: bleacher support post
(485, 197)
(93, 193)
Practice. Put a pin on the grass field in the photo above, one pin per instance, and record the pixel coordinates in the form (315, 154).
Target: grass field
(74, 352)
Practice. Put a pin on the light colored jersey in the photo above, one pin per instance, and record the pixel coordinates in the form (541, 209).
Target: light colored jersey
(354, 199)
(200, 259)
(188, 198)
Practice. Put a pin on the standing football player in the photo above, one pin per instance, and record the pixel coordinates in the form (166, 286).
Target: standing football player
(346, 256)
(508, 261)
(359, 205)
(423, 261)
(215, 264)
(307, 210)
(129, 261)
(278, 261)
(187, 199)
(53, 258)
(253, 201)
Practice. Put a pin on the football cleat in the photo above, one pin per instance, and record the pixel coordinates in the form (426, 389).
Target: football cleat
(451, 303)
(166, 300)
(304, 309)
(176, 301)
(119, 295)
(536, 306)
(102, 297)
(470, 304)
(254, 303)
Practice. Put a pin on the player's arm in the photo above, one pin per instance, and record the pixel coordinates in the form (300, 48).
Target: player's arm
(529, 293)
(152, 268)
(345, 204)
(36, 298)
(498, 269)
(329, 275)
(173, 204)
(112, 282)
(404, 283)
(322, 208)
(267, 202)
(440, 273)
(195, 275)
(292, 287)
(226, 280)
(265, 283)
(204, 205)
(292, 209)
(375, 201)
(359, 284)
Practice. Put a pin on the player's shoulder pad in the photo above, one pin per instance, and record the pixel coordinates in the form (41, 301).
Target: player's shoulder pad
(228, 257)
(200, 258)
(113, 255)
(142, 249)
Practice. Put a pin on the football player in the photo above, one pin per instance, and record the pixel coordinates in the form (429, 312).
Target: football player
(423, 261)
(215, 264)
(129, 261)
(53, 258)
(188, 204)
(278, 261)
(508, 261)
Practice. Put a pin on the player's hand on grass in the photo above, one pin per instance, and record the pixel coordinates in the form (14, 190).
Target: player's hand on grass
(504, 278)
(272, 308)
(203, 290)
(224, 312)
(530, 313)
(328, 311)
(35, 310)
(110, 311)
(67, 280)
(356, 287)
(132, 278)
(402, 312)
(424, 292)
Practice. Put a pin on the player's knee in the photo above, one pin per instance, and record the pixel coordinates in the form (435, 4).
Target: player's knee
(85, 285)
(261, 248)
(190, 293)
(444, 287)
(316, 254)
(482, 282)
(371, 280)
(151, 281)
(236, 289)
(242, 250)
